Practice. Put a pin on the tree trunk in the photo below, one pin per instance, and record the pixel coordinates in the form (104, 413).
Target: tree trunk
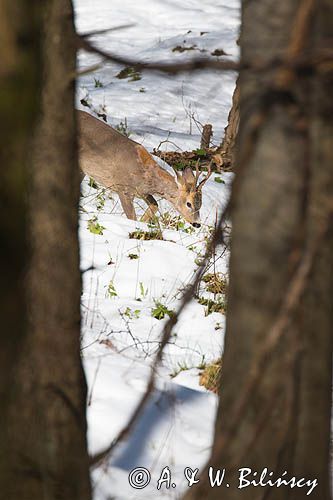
(48, 452)
(280, 314)
(228, 144)
(19, 88)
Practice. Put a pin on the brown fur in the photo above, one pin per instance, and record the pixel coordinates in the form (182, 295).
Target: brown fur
(126, 167)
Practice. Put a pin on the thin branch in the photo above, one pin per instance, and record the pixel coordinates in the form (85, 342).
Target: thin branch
(292, 61)
(173, 68)
(106, 30)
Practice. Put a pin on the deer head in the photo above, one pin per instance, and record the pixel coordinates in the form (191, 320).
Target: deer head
(189, 200)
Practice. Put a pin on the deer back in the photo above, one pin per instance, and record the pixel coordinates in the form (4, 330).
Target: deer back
(113, 160)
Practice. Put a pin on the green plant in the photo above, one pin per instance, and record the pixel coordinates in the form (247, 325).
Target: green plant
(85, 101)
(122, 127)
(160, 311)
(181, 367)
(132, 314)
(92, 183)
(98, 83)
(100, 201)
(130, 73)
(111, 291)
(133, 256)
(213, 305)
(143, 292)
(202, 365)
(94, 226)
(200, 152)
(219, 180)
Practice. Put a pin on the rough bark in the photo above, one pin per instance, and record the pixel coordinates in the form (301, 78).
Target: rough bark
(280, 203)
(228, 144)
(206, 136)
(48, 452)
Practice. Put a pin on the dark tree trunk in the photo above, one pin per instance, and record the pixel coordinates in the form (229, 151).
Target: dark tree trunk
(19, 88)
(282, 254)
(48, 453)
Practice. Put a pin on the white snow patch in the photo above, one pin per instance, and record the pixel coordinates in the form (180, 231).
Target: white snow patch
(119, 334)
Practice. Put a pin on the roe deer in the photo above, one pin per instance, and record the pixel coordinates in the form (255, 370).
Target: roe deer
(127, 168)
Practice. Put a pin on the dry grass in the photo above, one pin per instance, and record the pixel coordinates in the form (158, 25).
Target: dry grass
(211, 375)
(215, 283)
(155, 234)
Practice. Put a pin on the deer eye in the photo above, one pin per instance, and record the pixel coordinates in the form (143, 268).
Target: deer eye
(189, 204)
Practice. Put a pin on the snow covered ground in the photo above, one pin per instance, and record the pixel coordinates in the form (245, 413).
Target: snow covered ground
(124, 279)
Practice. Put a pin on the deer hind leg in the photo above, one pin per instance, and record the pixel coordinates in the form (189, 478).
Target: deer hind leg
(127, 204)
(151, 210)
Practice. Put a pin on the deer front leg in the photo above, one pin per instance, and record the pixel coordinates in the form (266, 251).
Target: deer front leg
(127, 204)
(151, 210)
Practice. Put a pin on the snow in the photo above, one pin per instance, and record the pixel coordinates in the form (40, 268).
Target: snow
(119, 334)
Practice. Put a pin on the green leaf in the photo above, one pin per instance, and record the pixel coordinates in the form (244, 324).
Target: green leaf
(200, 152)
(111, 291)
(94, 226)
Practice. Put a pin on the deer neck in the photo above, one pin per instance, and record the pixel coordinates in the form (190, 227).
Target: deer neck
(166, 186)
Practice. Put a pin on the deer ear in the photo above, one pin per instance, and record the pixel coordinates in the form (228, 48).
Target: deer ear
(178, 175)
(188, 176)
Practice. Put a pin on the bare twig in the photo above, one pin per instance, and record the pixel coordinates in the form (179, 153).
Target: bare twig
(173, 68)
(106, 30)
(293, 59)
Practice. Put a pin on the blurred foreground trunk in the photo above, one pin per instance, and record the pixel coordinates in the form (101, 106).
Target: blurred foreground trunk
(19, 87)
(47, 453)
(275, 400)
